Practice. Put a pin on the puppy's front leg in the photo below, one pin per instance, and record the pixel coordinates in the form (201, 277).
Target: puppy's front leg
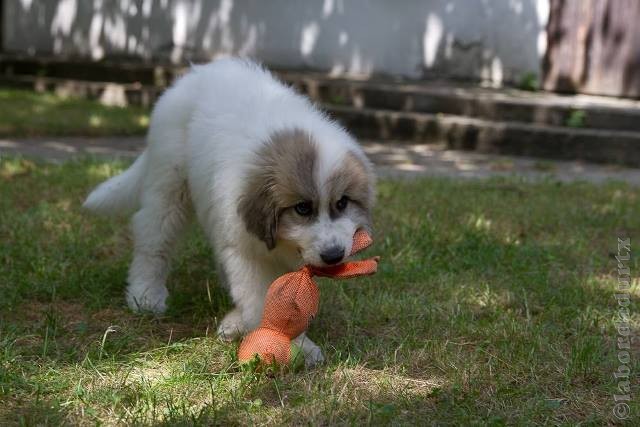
(248, 282)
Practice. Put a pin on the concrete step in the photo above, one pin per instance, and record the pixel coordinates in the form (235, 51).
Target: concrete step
(115, 71)
(579, 111)
(485, 136)
(456, 131)
(543, 108)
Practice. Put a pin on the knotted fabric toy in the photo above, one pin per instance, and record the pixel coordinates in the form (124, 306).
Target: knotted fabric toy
(292, 302)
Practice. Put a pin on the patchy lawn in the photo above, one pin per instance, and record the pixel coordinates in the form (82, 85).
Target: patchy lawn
(27, 113)
(494, 305)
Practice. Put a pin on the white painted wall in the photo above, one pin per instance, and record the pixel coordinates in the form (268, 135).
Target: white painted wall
(493, 40)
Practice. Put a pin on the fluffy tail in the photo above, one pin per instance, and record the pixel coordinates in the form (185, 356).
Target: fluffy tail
(119, 195)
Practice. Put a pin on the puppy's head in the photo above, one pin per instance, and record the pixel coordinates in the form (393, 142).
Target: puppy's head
(308, 196)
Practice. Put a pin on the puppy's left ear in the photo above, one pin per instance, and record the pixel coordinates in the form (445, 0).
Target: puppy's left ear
(258, 210)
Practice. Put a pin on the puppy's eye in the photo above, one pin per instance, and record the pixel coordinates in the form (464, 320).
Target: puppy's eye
(303, 208)
(342, 203)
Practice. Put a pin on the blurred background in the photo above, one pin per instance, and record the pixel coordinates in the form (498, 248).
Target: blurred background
(484, 76)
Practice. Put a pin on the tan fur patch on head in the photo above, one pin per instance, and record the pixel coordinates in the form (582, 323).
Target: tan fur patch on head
(292, 156)
(354, 180)
(283, 176)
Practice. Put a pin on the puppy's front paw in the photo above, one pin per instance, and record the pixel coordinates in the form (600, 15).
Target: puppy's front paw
(151, 299)
(231, 326)
(312, 354)
(313, 357)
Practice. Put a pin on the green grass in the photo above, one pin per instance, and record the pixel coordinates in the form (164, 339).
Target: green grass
(494, 304)
(26, 113)
(577, 119)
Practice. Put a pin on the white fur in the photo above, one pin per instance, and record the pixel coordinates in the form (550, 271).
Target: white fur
(204, 133)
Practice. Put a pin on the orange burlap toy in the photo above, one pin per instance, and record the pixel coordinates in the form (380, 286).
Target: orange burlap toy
(292, 302)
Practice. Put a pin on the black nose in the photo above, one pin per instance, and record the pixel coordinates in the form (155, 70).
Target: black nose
(333, 255)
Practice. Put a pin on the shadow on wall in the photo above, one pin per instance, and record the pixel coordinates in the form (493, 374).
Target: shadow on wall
(494, 41)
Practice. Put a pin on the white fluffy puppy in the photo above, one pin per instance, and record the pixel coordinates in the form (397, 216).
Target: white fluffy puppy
(274, 183)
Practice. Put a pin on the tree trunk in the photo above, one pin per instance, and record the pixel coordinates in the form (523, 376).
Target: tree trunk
(593, 47)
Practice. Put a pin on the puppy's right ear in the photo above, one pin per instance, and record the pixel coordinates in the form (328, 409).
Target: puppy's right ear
(258, 210)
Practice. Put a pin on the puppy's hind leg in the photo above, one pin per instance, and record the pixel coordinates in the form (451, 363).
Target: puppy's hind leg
(156, 228)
